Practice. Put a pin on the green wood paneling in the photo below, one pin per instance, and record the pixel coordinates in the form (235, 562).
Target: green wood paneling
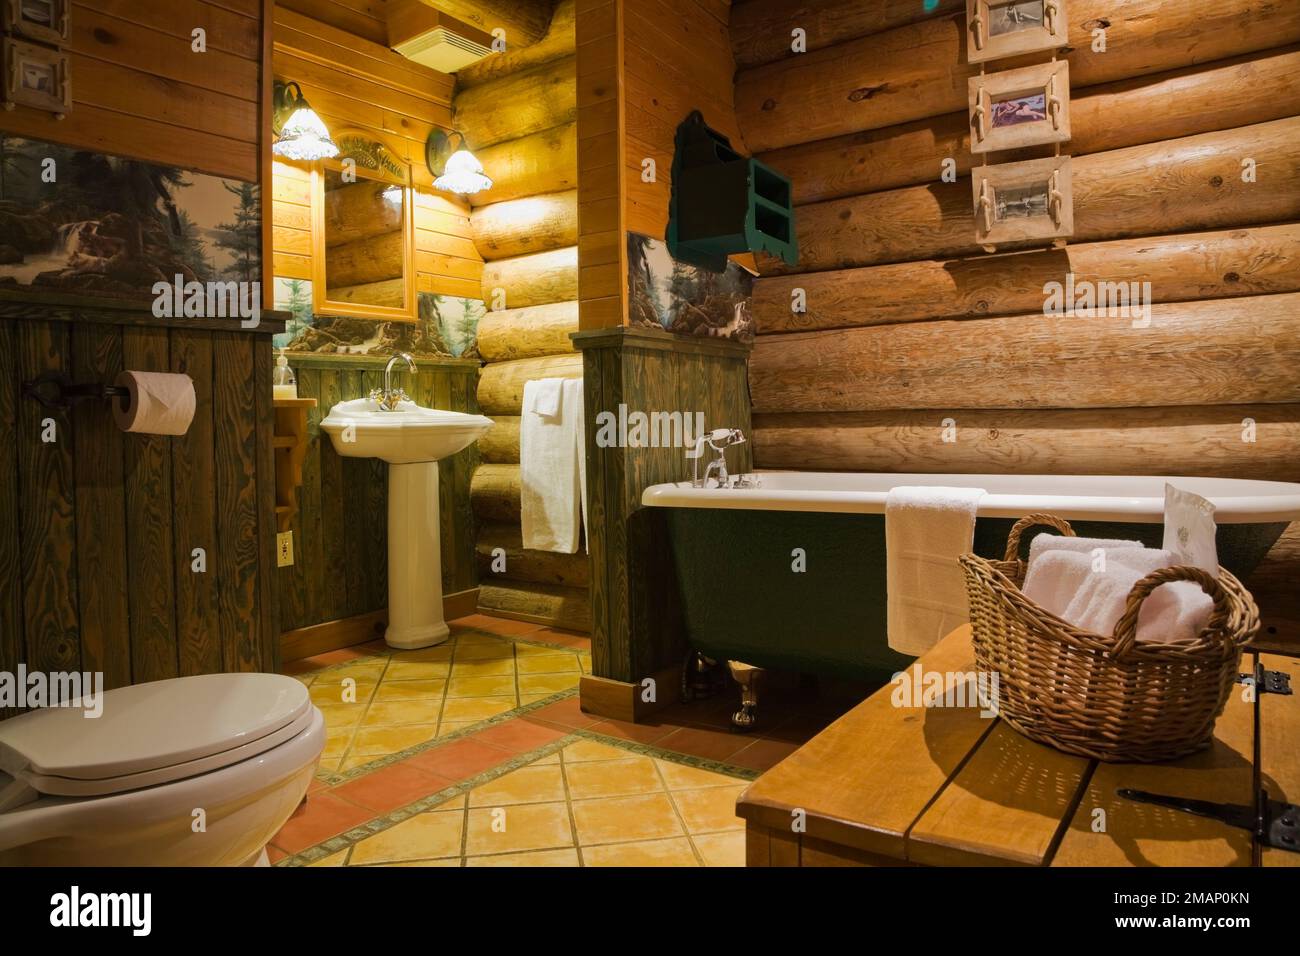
(97, 527)
(636, 626)
(341, 526)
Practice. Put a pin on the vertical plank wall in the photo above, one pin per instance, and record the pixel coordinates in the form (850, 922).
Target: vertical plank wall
(99, 528)
(908, 323)
(341, 523)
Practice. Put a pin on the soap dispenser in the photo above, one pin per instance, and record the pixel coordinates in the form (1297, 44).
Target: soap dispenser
(283, 383)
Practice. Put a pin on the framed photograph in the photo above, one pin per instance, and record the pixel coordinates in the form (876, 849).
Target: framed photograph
(43, 20)
(1018, 202)
(1017, 108)
(36, 76)
(998, 28)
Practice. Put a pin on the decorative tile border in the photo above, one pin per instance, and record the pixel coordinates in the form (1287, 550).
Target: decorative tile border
(385, 760)
(384, 821)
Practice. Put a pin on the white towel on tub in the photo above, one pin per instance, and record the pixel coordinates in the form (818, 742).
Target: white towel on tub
(552, 465)
(926, 529)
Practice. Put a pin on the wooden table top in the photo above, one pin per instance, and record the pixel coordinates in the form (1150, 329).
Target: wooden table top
(945, 786)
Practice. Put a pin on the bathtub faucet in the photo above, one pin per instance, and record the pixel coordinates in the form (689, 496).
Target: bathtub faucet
(720, 439)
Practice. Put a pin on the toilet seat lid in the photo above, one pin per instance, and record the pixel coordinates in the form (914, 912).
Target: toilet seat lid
(149, 727)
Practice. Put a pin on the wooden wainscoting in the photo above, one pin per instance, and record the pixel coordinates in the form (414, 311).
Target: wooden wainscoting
(101, 531)
(340, 530)
(636, 629)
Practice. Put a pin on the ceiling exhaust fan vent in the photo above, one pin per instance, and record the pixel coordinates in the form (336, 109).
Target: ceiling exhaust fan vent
(441, 49)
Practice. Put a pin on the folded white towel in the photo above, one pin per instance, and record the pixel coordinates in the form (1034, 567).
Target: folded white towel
(926, 529)
(552, 466)
(544, 396)
(1069, 584)
(1060, 542)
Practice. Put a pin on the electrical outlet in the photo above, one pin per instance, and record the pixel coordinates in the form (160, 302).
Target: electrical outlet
(284, 549)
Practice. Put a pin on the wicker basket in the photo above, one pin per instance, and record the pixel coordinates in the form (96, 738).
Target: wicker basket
(1107, 697)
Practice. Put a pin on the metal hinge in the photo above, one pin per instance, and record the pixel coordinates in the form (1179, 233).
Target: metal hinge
(1267, 682)
(1272, 822)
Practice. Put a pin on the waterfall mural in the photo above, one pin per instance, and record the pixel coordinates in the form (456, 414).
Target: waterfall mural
(82, 222)
(448, 326)
(667, 293)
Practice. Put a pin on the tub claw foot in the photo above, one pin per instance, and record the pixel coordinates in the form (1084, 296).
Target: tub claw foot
(748, 677)
(698, 680)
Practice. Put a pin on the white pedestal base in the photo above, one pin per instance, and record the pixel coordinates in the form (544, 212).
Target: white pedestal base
(414, 558)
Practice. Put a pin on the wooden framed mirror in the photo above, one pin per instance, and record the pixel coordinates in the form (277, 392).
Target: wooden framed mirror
(363, 232)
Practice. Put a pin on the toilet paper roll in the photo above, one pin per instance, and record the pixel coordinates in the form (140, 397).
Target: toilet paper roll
(160, 403)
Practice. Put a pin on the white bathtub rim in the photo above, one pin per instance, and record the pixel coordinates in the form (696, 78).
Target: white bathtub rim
(1281, 504)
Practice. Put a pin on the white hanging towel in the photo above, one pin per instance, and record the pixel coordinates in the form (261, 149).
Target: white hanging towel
(926, 529)
(552, 465)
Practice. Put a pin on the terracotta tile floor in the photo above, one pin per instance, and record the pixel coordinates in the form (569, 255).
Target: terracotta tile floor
(381, 701)
(476, 753)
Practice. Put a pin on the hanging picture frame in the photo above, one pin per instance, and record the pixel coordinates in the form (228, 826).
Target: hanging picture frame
(45, 21)
(1017, 108)
(36, 76)
(1019, 202)
(1001, 28)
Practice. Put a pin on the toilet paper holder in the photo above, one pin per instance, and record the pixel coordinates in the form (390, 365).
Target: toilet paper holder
(56, 391)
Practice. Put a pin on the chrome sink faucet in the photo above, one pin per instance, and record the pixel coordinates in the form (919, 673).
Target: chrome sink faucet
(386, 398)
(720, 439)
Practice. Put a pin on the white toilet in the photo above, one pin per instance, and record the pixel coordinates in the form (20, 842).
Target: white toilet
(126, 788)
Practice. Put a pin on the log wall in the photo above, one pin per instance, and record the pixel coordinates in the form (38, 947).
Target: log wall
(518, 112)
(908, 324)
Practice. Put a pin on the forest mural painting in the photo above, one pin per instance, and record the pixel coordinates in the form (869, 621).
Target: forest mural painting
(667, 293)
(447, 326)
(82, 222)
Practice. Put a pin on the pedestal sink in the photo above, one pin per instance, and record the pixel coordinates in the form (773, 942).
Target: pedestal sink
(411, 439)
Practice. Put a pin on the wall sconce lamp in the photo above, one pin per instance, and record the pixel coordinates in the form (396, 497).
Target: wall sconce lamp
(300, 133)
(461, 172)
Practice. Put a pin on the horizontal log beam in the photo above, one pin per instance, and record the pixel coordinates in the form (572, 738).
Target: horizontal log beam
(1225, 351)
(537, 279)
(1225, 94)
(548, 604)
(527, 333)
(544, 162)
(523, 564)
(920, 70)
(559, 41)
(501, 384)
(1206, 265)
(1188, 440)
(522, 226)
(494, 493)
(1180, 185)
(365, 260)
(500, 444)
(762, 30)
(533, 100)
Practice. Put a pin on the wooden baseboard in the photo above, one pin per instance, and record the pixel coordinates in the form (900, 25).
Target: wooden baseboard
(332, 635)
(620, 700)
(460, 604)
(349, 631)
